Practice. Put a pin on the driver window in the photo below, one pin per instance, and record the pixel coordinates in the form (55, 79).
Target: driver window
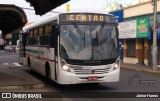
(63, 52)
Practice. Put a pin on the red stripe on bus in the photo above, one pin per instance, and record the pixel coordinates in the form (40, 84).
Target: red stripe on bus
(43, 58)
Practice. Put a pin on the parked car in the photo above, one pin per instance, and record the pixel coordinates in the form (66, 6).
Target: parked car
(10, 48)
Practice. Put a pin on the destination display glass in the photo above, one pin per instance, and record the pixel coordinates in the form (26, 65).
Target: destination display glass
(86, 17)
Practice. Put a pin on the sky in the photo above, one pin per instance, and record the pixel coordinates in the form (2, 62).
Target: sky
(75, 6)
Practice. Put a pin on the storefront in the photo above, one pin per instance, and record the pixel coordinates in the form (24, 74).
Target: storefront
(135, 36)
(137, 46)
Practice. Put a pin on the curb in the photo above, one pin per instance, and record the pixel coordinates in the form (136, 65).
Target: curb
(142, 70)
(31, 86)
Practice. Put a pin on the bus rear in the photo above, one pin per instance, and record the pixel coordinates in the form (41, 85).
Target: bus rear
(88, 49)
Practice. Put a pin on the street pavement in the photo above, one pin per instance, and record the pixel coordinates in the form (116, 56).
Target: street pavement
(15, 76)
(132, 80)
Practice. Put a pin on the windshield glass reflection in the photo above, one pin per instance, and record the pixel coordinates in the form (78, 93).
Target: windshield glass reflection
(88, 42)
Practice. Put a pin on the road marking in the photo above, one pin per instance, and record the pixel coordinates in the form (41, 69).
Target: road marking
(5, 63)
(17, 64)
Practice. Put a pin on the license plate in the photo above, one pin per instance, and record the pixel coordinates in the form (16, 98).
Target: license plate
(92, 78)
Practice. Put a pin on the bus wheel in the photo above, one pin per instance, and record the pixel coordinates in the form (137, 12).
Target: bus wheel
(48, 72)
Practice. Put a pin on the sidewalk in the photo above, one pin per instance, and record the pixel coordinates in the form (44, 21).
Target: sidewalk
(140, 67)
(18, 78)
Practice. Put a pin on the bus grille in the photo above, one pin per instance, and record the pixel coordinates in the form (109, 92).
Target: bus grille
(88, 70)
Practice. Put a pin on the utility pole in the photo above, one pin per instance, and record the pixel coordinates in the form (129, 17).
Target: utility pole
(154, 50)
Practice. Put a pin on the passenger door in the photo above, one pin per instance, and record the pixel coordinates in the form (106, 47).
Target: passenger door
(22, 44)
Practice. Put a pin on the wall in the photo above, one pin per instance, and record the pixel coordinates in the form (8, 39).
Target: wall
(140, 9)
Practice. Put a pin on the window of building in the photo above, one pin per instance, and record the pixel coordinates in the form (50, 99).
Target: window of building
(131, 45)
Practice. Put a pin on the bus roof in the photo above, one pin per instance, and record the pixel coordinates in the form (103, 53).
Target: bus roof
(56, 17)
(33, 25)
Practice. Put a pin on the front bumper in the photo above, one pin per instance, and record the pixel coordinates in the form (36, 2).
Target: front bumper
(71, 78)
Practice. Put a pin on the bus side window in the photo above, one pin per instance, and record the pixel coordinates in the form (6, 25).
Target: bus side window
(36, 36)
(47, 35)
(41, 34)
(48, 28)
(30, 33)
(30, 42)
(63, 52)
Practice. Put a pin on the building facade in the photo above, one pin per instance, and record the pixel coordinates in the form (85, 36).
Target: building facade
(136, 31)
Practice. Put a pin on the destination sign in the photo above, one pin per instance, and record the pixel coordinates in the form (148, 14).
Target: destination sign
(86, 17)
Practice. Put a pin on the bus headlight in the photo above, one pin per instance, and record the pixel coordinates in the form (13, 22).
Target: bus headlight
(65, 67)
(116, 66)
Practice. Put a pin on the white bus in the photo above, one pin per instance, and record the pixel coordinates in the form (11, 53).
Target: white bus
(73, 48)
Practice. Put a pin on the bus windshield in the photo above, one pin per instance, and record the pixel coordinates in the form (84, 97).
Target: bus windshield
(88, 42)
